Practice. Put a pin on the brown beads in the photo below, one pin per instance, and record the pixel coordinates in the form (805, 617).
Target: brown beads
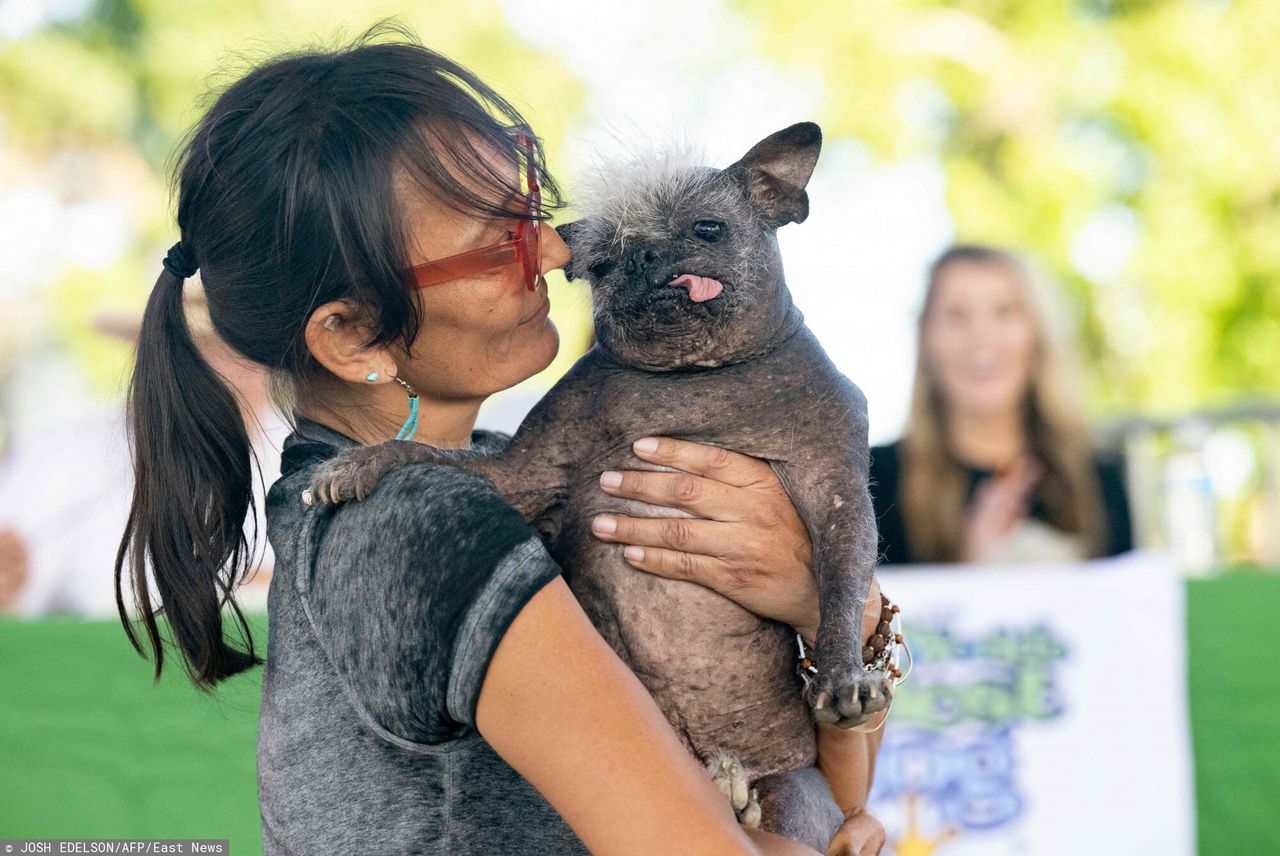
(874, 653)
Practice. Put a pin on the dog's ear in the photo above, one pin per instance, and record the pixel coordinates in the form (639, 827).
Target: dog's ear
(566, 230)
(776, 171)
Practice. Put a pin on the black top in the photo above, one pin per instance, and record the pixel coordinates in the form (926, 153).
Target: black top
(896, 550)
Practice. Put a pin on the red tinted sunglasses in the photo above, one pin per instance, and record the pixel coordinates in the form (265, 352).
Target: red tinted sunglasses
(524, 246)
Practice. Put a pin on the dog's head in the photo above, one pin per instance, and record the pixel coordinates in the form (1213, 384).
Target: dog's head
(682, 258)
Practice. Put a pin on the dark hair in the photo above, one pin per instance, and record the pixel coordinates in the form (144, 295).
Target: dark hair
(286, 201)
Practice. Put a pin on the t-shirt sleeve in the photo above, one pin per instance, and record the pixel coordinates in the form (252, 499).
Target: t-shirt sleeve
(412, 590)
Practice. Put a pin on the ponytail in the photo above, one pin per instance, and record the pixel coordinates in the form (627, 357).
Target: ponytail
(287, 189)
(192, 490)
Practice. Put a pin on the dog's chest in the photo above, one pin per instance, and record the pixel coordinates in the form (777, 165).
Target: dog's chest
(723, 676)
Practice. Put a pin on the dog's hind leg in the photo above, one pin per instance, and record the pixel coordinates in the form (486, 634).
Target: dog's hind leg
(799, 805)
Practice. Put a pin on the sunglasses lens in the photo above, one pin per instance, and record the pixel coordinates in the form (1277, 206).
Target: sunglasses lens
(530, 238)
(531, 247)
(531, 254)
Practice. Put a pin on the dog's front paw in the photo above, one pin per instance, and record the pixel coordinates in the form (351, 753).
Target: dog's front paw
(351, 474)
(731, 778)
(849, 696)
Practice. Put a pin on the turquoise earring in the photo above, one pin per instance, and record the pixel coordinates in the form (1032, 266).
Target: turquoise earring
(372, 377)
(410, 426)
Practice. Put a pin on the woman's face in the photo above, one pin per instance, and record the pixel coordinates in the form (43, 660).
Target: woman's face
(979, 340)
(487, 332)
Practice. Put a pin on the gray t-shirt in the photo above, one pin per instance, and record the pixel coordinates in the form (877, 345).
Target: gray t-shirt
(383, 615)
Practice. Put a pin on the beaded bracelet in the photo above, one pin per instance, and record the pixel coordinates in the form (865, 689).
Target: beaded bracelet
(881, 653)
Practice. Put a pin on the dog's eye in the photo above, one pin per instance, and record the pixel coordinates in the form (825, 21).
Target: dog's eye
(601, 269)
(709, 230)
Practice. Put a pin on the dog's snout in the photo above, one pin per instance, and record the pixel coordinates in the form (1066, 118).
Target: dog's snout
(641, 260)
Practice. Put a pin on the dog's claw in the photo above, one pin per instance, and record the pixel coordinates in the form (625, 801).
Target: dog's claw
(750, 815)
(731, 778)
(848, 704)
(354, 473)
(823, 711)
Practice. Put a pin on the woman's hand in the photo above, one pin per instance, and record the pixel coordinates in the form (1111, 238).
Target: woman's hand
(999, 505)
(744, 539)
(860, 835)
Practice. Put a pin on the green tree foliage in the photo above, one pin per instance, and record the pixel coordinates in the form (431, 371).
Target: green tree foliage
(1059, 123)
(1154, 122)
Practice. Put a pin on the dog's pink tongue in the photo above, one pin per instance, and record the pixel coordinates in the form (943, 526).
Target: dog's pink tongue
(701, 288)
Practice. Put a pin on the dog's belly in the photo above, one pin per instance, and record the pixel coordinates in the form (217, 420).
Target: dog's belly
(723, 677)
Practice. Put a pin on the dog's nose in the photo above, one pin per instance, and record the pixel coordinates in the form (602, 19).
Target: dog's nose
(641, 260)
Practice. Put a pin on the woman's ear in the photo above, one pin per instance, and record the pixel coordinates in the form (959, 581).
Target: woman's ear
(337, 335)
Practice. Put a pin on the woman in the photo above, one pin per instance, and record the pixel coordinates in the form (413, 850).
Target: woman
(995, 463)
(366, 224)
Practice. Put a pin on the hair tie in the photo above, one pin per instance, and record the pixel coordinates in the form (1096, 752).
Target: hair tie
(179, 262)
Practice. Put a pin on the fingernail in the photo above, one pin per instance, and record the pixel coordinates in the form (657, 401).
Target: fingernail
(634, 554)
(604, 524)
(306, 497)
(611, 479)
(646, 444)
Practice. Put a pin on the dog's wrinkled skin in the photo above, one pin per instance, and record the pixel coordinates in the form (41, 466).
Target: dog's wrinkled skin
(739, 370)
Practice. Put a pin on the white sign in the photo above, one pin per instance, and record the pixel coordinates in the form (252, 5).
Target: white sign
(1046, 712)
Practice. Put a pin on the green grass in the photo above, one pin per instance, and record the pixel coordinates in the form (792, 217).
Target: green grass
(90, 748)
(1233, 631)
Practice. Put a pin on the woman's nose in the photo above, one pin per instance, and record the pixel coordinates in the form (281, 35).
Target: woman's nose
(555, 252)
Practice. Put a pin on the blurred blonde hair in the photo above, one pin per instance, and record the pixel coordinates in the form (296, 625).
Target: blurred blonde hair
(935, 484)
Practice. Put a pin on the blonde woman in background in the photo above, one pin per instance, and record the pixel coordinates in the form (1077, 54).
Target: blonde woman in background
(996, 462)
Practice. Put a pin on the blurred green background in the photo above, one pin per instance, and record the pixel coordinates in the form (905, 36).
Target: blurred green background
(1131, 146)
(1129, 149)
